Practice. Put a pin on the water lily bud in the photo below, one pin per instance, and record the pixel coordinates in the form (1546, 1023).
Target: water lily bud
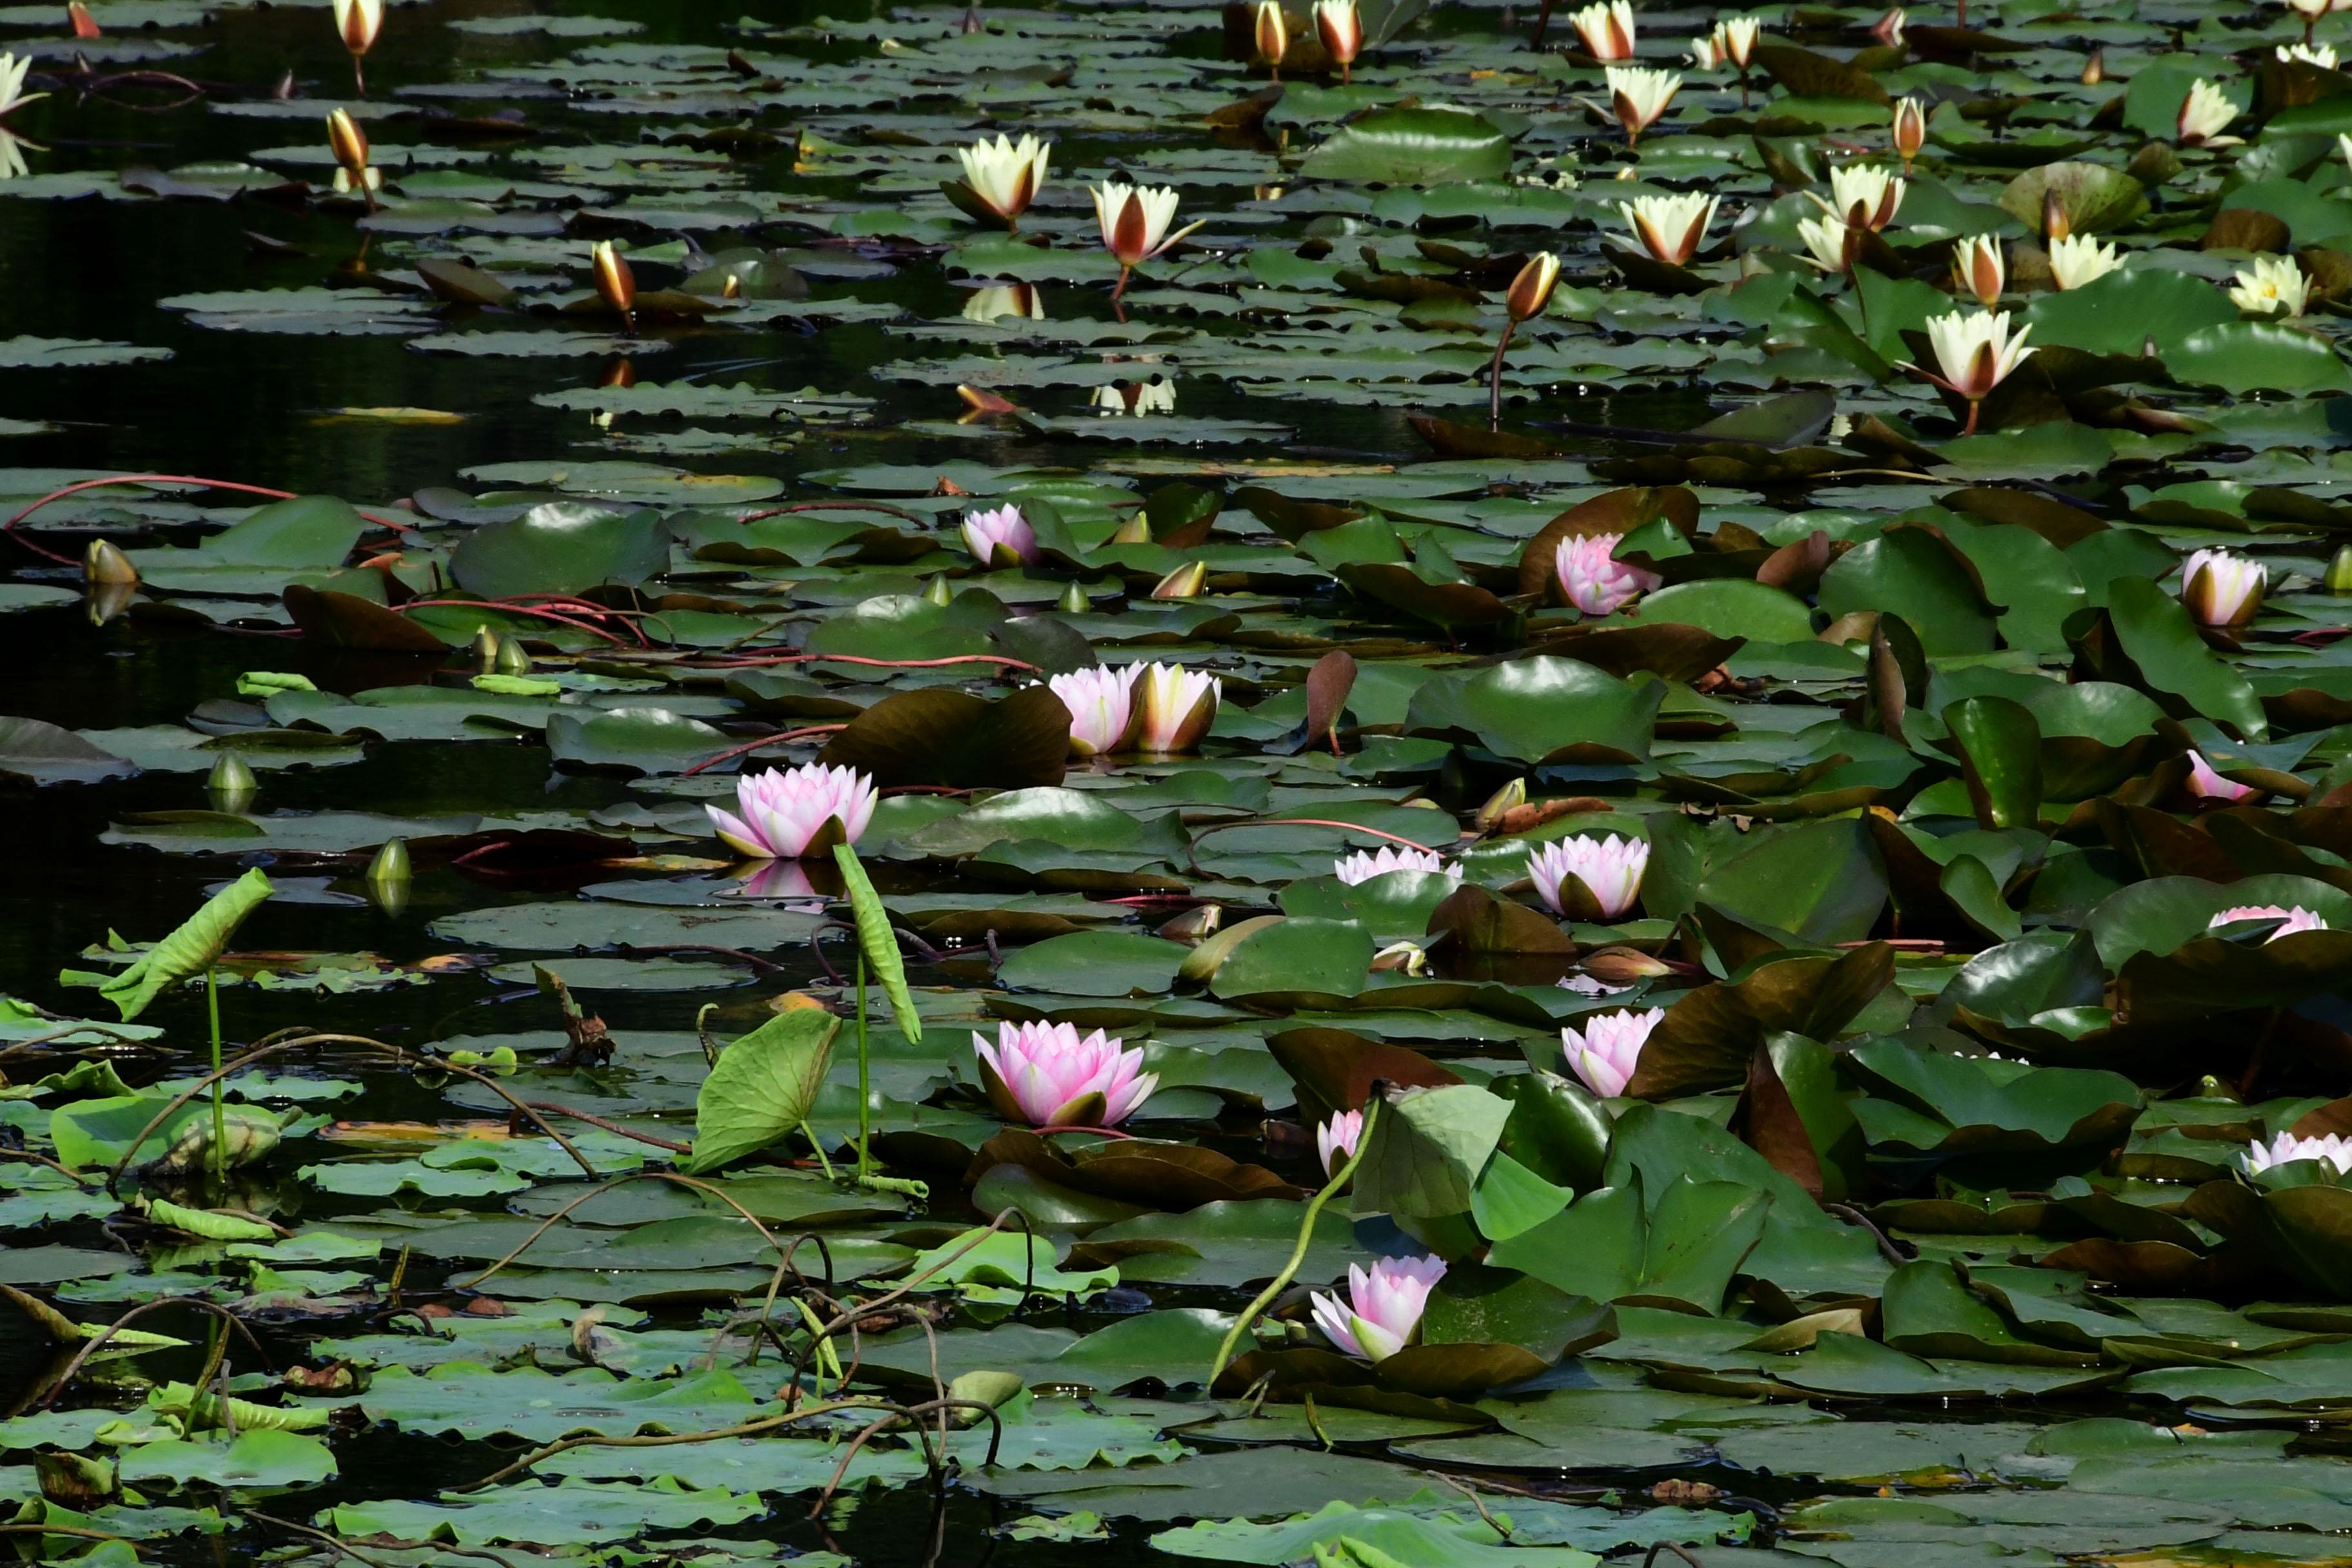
(616, 285)
(2094, 70)
(1622, 966)
(85, 26)
(1978, 269)
(1341, 29)
(1185, 582)
(230, 776)
(2339, 570)
(103, 563)
(1530, 292)
(1194, 924)
(2221, 589)
(1273, 32)
(1400, 956)
(1135, 530)
(1074, 600)
(1503, 801)
(391, 862)
(938, 592)
(485, 649)
(358, 21)
(1910, 130)
(513, 658)
(2055, 223)
(348, 142)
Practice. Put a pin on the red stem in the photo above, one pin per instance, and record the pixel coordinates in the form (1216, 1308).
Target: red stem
(1323, 822)
(9, 527)
(512, 610)
(764, 741)
(877, 663)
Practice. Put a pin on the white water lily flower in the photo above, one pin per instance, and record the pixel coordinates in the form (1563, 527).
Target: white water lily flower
(1023, 300)
(1606, 29)
(12, 156)
(1670, 228)
(2320, 55)
(12, 72)
(1365, 864)
(1103, 712)
(1134, 221)
(2080, 258)
(1708, 52)
(1910, 130)
(2272, 286)
(1609, 868)
(1178, 707)
(1863, 195)
(2205, 113)
(1831, 243)
(1004, 175)
(2222, 589)
(1609, 1048)
(1978, 269)
(1739, 36)
(1974, 354)
(1640, 97)
(357, 23)
(2309, 10)
(2286, 1148)
(1341, 28)
(1134, 398)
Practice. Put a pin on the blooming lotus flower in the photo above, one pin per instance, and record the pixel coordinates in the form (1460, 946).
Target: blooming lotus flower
(1000, 538)
(1103, 714)
(1044, 1075)
(2078, 259)
(1739, 36)
(2292, 920)
(1178, 706)
(1273, 35)
(2273, 285)
(1864, 194)
(2207, 785)
(1134, 220)
(2286, 1148)
(1640, 97)
(1606, 1053)
(1341, 28)
(2204, 115)
(1670, 228)
(1384, 1307)
(1592, 579)
(2320, 55)
(2221, 589)
(1023, 299)
(357, 23)
(1364, 865)
(1335, 1141)
(1608, 872)
(1910, 131)
(791, 815)
(1976, 355)
(1978, 269)
(1606, 30)
(12, 72)
(1002, 176)
(1831, 243)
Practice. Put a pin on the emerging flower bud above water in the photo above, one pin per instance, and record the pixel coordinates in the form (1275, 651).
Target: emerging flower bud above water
(2221, 589)
(1045, 1075)
(1888, 28)
(1336, 1140)
(104, 562)
(789, 816)
(2078, 259)
(1978, 269)
(1366, 864)
(85, 26)
(1178, 706)
(1003, 176)
(12, 72)
(1671, 228)
(1530, 290)
(1640, 97)
(1103, 713)
(2094, 70)
(349, 145)
(2339, 570)
(2272, 286)
(2297, 919)
(2333, 1150)
(1738, 34)
(1384, 1307)
(1134, 221)
(1606, 1052)
(357, 23)
(2205, 113)
(1606, 30)
(1185, 582)
(1341, 28)
(1592, 579)
(1910, 130)
(1710, 52)
(616, 283)
(1271, 34)
(2207, 785)
(1606, 872)
(1001, 537)
(1976, 355)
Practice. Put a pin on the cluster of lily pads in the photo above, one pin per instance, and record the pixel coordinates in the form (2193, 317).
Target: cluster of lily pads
(1144, 973)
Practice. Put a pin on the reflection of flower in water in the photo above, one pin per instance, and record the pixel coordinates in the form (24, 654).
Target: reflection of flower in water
(1022, 300)
(12, 156)
(1137, 397)
(775, 880)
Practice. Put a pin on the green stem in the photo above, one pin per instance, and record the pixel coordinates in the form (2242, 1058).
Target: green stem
(864, 1132)
(1281, 1282)
(818, 1145)
(220, 1118)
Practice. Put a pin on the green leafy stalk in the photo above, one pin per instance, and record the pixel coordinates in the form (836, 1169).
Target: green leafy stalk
(191, 949)
(865, 1056)
(1281, 1282)
(220, 1116)
(878, 948)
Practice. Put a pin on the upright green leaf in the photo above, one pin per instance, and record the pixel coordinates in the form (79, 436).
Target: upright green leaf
(188, 951)
(765, 1085)
(878, 942)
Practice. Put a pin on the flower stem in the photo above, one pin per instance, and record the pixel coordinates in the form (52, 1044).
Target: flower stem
(1120, 292)
(1494, 378)
(1281, 1282)
(1976, 406)
(220, 1118)
(864, 1158)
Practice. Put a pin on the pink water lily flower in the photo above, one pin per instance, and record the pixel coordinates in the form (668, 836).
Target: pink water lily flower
(1178, 706)
(787, 815)
(1592, 579)
(1000, 538)
(1609, 1047)
(2207, 785)
(1045, 1075)
(2286, 1148)
(1335, 1141)
(1610, 867)
(1384, 1307)
(2222, 589)
(1104, 717)
(1365, 864)
(2294, 919)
